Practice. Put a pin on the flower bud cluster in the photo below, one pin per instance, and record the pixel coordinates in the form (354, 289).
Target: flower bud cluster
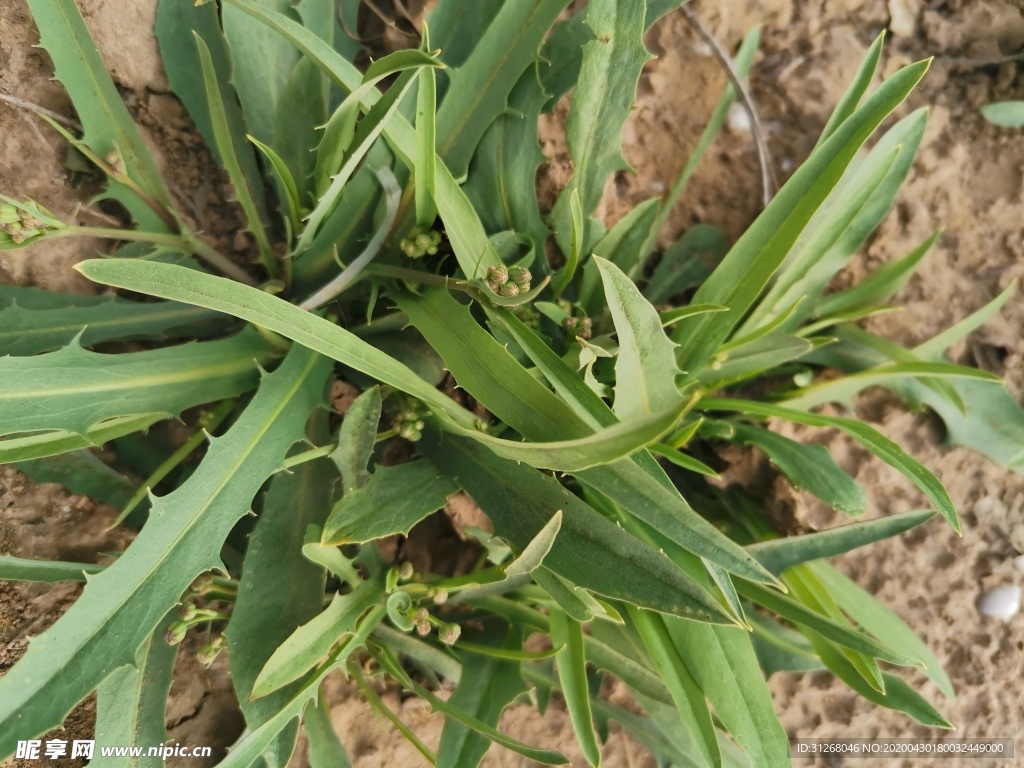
(407, 616)
(418, 243)
(527, 315)
(409, 424)
(581, 327)
(22, 223)
(508, 282)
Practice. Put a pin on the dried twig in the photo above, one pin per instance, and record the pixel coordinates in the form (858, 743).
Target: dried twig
(15, 101)
(768, 182)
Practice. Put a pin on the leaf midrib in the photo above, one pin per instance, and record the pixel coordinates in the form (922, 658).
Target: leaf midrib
(138, 382)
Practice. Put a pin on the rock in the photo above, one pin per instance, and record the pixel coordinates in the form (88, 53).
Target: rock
(903, 17)
(738, 119)
(1001, 602)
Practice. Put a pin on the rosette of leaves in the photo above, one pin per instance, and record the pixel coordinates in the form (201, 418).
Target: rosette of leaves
(602, 372)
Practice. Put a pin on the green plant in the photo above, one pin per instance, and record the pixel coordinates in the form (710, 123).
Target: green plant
(362, 230)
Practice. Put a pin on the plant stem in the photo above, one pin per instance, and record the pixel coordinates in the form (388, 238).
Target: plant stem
(375, 701)
(188, 242)
(416, 276)
(315, 453)
(768, 182)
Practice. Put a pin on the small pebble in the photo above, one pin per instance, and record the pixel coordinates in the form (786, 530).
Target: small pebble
(738, 120)
(1018, 561)
(1001, 603)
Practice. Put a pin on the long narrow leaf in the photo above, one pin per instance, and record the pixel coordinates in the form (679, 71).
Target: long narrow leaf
(28, 331)
(743, 274)
(108, 126)
(572, 674)
(870, 438)
(123, 605)
(84, 388)
(131, 704)
(229, 157)
(686, 692)
(465, 232)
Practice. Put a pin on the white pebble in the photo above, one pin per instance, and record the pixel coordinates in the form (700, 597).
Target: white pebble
(657, 186)
(1001, 603)
(65, 509)
(1018, 561)
(738, 119)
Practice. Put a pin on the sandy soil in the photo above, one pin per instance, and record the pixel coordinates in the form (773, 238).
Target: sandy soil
(967, 181)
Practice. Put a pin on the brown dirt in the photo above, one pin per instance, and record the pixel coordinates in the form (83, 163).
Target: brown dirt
(967, 181)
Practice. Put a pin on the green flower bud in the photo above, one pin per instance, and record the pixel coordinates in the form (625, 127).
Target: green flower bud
(520, 276)
(440, 596)
(508, 290)
(423, 628)
(187, 611)
(449, 633)
(497, 275)
(203, 584)
(581, 327)
(406, 571)
(423, 242)
(208, 653)
(391, 580)
(529, 316)
(175, 632)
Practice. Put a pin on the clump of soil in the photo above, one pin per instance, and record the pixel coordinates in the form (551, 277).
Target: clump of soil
(966, 181)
